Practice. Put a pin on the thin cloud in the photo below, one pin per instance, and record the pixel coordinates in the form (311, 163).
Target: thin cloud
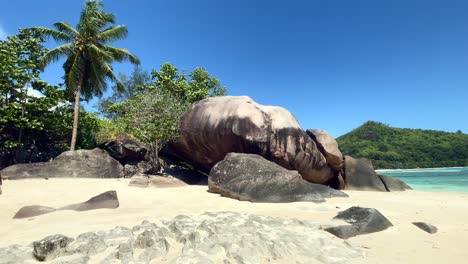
(3, 33)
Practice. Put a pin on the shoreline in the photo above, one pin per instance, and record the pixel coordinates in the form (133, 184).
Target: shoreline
(379, 170)
(399, 244)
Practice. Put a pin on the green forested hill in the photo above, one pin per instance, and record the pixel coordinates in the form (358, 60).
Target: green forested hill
(391, 148)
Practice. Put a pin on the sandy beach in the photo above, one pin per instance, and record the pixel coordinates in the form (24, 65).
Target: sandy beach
(402, 243)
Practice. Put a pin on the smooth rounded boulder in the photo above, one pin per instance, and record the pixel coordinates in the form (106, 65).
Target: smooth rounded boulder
(250, 177)
(360, 175)
(81, 163)
(216, 126)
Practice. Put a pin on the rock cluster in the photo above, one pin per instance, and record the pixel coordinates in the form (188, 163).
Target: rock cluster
(216, 126)
(222, 237)
(360, 175)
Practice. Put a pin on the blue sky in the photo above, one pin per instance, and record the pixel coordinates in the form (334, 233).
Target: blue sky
(334, 64)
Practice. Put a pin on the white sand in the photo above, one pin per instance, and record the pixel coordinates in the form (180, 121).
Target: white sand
(402, 243)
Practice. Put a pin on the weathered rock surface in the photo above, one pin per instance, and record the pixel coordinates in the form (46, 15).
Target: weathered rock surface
(50, 247)
(360, 175)
(362, 220)
(33, 210)
(107, 200)
(328, 146)
(216, 126)
(70, 164)
(125, 149)
(145, 181)
(250, 177)
(394, 184)
(426, 227)
(222, 237)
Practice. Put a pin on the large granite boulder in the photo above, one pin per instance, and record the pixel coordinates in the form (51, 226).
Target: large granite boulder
(70, 164)
(328, 146)
(252, 178)
(360, 175)
(216, 126)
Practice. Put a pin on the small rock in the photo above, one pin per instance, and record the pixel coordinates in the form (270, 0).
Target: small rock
(139, 181)
(362, 220)
(426, 227)
(50, 247)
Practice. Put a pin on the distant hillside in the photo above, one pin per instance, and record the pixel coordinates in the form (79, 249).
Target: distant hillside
(391, 148)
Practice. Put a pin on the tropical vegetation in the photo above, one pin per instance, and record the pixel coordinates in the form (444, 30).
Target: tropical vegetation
(392, 148)
(88, 57)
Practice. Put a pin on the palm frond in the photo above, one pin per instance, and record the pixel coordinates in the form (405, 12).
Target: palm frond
(93, 19)
(66, 28)
(55, 34)
(75, 73)
(100, 54)
(55, 54)
(120, 54)
(109, 72)
(113, 33)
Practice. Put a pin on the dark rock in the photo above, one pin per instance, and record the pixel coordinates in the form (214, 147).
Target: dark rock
(50, 247)
(426, 227)
(70, 164)
(362, 220)
(33, 210)
(125, 149)
(360, 175)
(132, 168)
(328, 146)
(394, 184)
(104, 200)
(108, 200)
(252, 178)
(216, 126)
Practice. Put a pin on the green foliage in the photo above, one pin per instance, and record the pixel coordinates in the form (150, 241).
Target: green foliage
(391, 148)
(138, 82)
(88, 57)
(189, 88)
(150, 109)
(28, 121)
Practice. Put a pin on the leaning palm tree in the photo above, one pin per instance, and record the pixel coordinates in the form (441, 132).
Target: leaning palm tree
(88, 57)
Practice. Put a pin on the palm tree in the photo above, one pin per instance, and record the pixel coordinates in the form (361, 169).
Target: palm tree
(88, 57)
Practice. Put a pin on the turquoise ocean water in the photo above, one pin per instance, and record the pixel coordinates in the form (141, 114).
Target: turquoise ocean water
(437, 179)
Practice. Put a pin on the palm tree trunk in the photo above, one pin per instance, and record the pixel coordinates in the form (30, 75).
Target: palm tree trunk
(76, 113)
